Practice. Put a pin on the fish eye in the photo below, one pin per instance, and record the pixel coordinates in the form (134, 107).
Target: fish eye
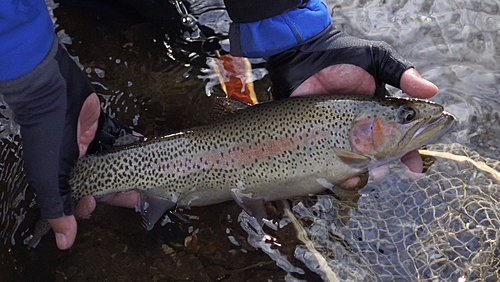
(406, 114)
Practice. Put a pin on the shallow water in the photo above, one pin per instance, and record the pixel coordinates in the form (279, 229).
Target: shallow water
(155, 82)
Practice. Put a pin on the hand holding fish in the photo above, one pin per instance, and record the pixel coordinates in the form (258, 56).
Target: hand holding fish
(330, 62)
(333, 62)
(347, 78)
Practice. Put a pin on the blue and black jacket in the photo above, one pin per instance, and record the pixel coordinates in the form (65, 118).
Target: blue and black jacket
(26, 35)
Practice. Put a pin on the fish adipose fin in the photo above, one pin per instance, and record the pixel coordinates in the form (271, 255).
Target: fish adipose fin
(251, 204)
(152, 208)
(352, 159)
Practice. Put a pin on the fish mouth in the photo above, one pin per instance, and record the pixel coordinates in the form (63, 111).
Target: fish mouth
(429, 130)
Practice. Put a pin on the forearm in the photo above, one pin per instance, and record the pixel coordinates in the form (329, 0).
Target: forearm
(46, 103)
(39, 105)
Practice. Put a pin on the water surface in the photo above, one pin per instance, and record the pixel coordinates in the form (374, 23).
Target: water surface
(152, 75)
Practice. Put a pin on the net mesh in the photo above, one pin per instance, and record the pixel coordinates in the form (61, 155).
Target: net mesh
(443, 226)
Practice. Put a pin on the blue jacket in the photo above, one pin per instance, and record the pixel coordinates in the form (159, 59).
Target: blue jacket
(26, 35)
(274, 35)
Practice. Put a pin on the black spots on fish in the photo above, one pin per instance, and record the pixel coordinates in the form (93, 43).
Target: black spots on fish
(340, 144)
(207, 157)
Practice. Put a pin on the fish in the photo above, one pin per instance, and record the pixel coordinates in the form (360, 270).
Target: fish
(271, 151)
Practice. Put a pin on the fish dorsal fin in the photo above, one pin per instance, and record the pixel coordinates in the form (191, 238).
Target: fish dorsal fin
(152, 208)
(224, 107)
(352, 159)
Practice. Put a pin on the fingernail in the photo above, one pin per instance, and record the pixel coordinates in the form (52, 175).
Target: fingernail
(61, 241)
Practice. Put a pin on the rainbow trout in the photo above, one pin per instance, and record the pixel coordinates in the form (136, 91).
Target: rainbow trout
(271, 151)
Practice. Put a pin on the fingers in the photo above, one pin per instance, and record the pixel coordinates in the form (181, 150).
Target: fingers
(65, 231)
(355, 183)
(351, 183)
(87, 123)
(87, 204)
(413, 161)
(350, 79)
(65, 227)
(338, 79)
(85, 207)
(416, 86)
(128, 199)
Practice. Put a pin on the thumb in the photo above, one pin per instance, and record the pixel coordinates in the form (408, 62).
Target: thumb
(65, 231)
(416, 86)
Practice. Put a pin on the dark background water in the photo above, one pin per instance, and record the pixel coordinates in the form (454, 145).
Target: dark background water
(151, 78)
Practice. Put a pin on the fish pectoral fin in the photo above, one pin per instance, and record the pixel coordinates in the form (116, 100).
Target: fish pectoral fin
(251, 204)
(352, 159)
(152, 208)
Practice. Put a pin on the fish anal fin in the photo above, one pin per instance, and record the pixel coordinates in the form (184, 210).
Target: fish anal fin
(152, 208)
(250, 203)
(352, 159)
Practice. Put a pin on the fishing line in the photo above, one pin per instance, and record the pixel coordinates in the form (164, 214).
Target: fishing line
(302, 236)
(479, 165)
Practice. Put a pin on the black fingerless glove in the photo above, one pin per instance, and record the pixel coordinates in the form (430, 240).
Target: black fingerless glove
(290, 68)
(108, 130)
(46, 102)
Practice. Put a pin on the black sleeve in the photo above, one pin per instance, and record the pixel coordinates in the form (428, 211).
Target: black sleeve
(255, 10)
(46, 103)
